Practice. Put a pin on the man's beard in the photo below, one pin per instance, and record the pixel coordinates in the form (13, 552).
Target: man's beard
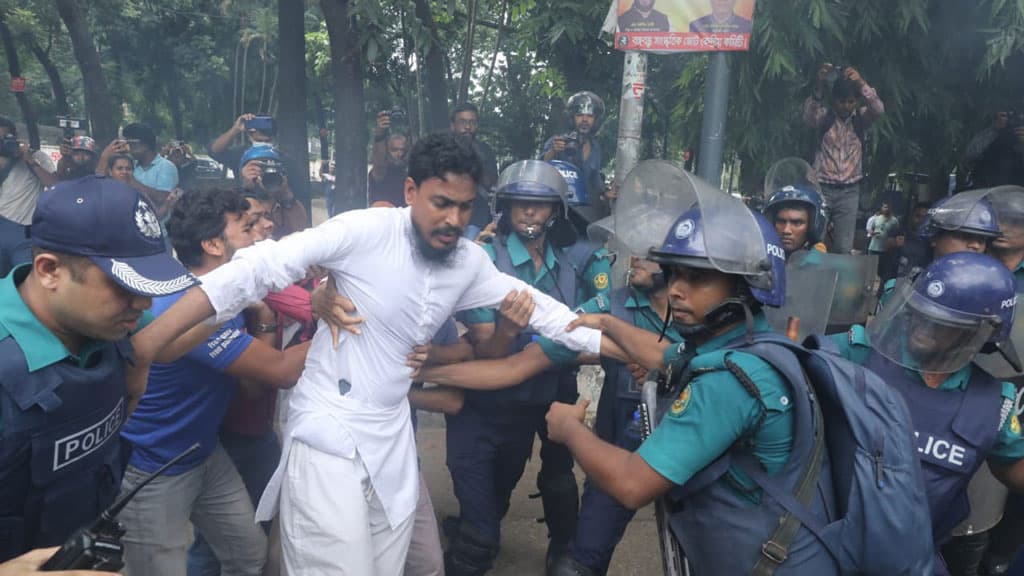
(443, 256)
(76, 170)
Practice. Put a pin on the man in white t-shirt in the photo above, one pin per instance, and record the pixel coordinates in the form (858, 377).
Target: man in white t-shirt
(23, 175)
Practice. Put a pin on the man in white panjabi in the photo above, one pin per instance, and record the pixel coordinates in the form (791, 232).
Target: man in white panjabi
(347, 484)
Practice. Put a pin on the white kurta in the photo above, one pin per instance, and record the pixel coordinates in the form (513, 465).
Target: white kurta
(353, 397)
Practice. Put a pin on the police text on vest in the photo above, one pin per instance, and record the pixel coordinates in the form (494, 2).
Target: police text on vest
(941, 449)
(80, 444)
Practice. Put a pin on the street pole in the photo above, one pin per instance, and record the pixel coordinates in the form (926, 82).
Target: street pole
(716, 106)
(631, 114)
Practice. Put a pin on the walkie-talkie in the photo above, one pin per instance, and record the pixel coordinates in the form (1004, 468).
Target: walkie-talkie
(98, 547)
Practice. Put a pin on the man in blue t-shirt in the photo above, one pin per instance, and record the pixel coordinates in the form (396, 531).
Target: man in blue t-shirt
(185, 402)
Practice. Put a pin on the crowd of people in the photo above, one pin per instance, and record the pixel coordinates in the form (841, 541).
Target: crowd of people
(142, 318)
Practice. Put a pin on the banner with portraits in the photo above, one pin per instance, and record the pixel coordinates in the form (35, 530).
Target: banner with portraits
(684, 25)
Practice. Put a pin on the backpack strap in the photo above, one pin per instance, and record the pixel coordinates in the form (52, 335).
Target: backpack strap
(775, 550)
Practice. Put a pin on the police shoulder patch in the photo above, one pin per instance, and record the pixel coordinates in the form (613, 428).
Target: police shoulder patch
(682, 402)
(601, 281)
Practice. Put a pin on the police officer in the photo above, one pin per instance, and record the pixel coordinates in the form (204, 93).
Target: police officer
(924, 343)
(491, 439)
(65, 318)
(602, 519)
(798, 213)
(1008, 247)
(962, 223)
(716, 290)
(578, 156)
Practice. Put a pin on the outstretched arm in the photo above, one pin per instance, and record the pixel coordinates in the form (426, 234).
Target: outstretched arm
(633, 344)
(490, 374)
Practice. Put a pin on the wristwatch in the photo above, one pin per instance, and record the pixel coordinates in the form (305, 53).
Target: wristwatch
(266, 328)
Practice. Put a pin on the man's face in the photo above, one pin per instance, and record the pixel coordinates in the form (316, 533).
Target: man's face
(83, 157)
(641, 273)
(693, 292)
(237, 234)
(260, 213)
(930, 343)
(257, 136)
(918, 217)
(122, 170)
(440, 212)
(722, 9)
(111, 313)
(844, 107)
(644, 5)
(948, 242)
(464, 123)
(529, 218)
(584, 123)
(1001, 120)
(884, 209)
(791, 225)
(396, 150)
(1011, 238)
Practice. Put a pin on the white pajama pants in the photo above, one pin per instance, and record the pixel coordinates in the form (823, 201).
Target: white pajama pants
(332, 522)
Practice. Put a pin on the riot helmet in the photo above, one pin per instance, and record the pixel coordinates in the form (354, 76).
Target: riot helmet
(689, 244)
(1008, 203)
(803, 196)
(534, 181)
(585, 102)
(967, 212)
(959, 305)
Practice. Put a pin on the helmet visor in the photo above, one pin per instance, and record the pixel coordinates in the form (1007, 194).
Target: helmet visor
(962, 212)
(918, 333)
(790, 172)
(531, 178)
(650, 199)
(732, 235)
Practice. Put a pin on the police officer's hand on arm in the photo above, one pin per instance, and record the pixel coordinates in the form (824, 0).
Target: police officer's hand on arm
(624, 475)
(29, 563)
(334, 309)
(495, 340)
(625, 342)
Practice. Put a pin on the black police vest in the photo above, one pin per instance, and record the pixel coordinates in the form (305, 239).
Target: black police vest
(955, 431)
(553, 384)
(60, 452)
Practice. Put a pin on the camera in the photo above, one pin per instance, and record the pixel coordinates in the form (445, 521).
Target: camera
(261, 124)
(9, 146)
(1014, 119)
(397, 115)
(273, 174)
(572, 140)
(835, 74)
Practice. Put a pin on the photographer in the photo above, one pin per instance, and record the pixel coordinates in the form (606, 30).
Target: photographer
(77, 158)
(996, 154)
(839, 148)
(260, 130)
(464, 121)
(23, 175)
(261, 168)
(386, 185)
(584, 113)
(154, 176)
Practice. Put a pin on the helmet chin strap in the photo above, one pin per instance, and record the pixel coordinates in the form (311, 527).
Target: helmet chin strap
(726, 313)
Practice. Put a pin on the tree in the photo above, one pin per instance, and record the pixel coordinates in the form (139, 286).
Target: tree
(291, 95)
(349, 117)
(97, 97)
(13, 65)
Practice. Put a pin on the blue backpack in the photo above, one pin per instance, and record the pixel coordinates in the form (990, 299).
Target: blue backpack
(881, 524)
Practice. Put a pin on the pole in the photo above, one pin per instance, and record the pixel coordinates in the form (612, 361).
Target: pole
(712, 134)
(631, 114)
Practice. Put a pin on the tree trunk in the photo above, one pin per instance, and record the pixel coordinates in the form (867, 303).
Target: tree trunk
(494, 56)
(349, 118)
(467, 60)
(291, 70)
(28, 114)
(60, 94)
(97, 96)
(434, 69)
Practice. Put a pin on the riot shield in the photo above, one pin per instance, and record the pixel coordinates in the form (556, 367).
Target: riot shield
(995, 364)
(791, 171)
(987, 497)
(809, 296)
(854, 295)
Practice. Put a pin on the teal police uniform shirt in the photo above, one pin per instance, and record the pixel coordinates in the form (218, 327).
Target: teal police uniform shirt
(715, 411)
(595, 280)
(40, 346)
(1009, 446)
(644, 316)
